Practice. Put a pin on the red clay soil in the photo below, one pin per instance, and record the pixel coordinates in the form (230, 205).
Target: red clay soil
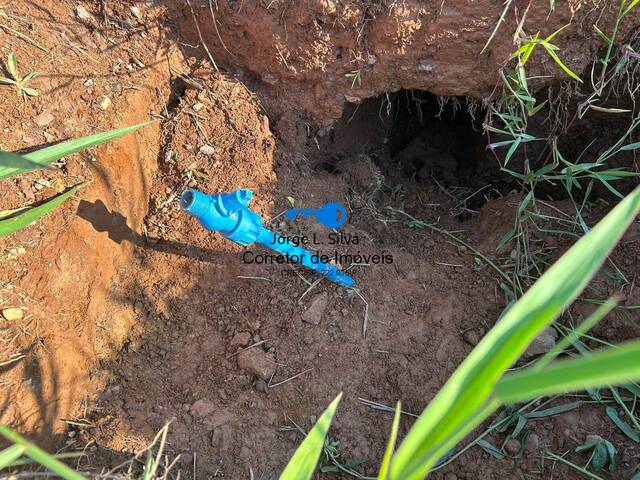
(134, 315)
(306, 53)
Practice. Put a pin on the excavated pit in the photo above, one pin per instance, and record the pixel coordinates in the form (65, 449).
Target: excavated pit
(140, 314)
(419, 139)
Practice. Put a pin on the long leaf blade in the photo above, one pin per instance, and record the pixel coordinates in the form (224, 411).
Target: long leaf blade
(10, 455)
(449, 415)
(391, 445)
(609, 366)
(304, 460)
(17, 162)
(47, 155)
(40, 456)
(612, 413)
(10, 225)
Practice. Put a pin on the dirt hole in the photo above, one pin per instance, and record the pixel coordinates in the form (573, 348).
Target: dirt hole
(414, 136)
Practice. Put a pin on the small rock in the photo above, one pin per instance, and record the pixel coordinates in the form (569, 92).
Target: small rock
(202, 407)
(324, 131)
(257, 363)
(533, 443)
(261, 385)
(512, 446)
(371, 59)
(207, 150)
(314, 313)
(58, 185)
(426, 66)
(103, 102)
(135, 11)
(25, 187)
(13, 313)
(542, 343)
(239, 340)
(198, 106)
(450, 476)
(472, 337)
(89, 82)
(82, 13)
(44, 119)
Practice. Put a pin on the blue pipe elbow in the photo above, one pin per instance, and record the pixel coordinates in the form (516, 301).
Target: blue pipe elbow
(228, 214)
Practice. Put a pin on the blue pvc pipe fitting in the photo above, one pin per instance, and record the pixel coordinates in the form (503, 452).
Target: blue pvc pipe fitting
(228, 214)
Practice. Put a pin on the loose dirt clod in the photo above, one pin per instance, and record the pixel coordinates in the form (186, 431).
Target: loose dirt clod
(314, 313)
(239, 340)
(512, 446)
(542, 343)
(44, 119)
(207, 150)
(257, 362)
(202, 408)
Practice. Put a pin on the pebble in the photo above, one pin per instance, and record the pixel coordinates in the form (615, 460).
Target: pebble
(472, 337)
(207, 150)
(239, 340)
(82, 13)
(44, 119)
(542, 343)
(257, 362)
(13, 313)
(89, 82)
(512, 446)
(450, 476)
(198, 106)
(533, 443)
(135, 11)
(316, 310)
(202, 407)
(261, 385)
(103, 102)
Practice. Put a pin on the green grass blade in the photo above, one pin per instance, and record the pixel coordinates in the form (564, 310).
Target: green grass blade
(10, 225)
(391, 445)
(627, 429)
(10, 455)
(59, 456)
(45, 156)
(304, 460)
(609, 366)
(632, 4)
(548, 48)
(602, 35)
(550, 37)
(441, 425)
(575, 334)
(13, 161)
(40, 456)
(148, 467)
(12, 66)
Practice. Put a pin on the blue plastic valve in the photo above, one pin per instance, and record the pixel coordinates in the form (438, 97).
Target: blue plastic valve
(228, 214)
